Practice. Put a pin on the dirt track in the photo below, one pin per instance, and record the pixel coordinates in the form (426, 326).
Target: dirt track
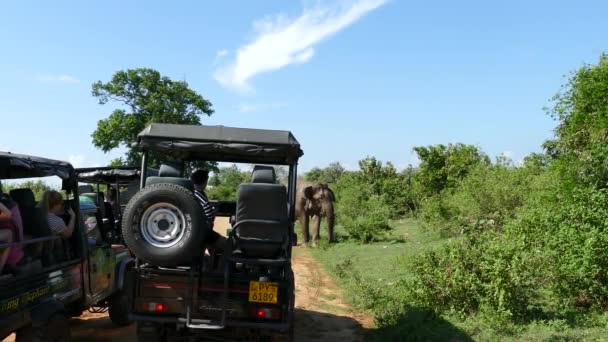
(320, 312)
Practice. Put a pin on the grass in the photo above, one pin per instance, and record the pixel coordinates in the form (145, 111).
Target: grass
(370, 274)
(379, 260)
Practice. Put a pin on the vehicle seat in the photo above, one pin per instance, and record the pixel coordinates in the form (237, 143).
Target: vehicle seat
(109, 222)
(34, 225)
(170, 173)
(262, 221)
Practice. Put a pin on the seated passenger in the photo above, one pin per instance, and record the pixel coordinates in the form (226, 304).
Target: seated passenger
(6, 233)
(200, 178)
(52, 204)
(16, 254)
(112, 199)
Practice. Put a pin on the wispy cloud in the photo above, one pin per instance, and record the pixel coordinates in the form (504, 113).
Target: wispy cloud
(256, 107)
(58, 78)
(280, 41)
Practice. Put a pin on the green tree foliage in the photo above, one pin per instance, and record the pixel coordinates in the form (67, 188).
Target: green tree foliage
(581, 108)
(361, 212)
(330, 174)
(38, 187)
(144, 96)
(442, 167)
(485, 199)
(548, 236)
(224, 183)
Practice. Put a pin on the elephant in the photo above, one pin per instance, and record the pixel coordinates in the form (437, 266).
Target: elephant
(315, 200)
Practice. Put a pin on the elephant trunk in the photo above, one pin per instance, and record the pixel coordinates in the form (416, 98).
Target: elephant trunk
(331, 219)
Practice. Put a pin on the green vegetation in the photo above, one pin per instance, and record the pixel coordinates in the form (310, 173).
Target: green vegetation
(502, 251)
(38, 187)
(144, 96)
(224, 183)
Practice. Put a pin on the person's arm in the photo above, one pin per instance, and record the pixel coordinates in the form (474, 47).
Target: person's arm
(66, 233)
(5, 213)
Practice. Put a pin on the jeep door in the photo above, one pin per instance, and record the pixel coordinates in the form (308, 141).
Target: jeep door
(102, 261)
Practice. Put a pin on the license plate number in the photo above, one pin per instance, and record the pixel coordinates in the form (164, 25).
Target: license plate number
(263, 292)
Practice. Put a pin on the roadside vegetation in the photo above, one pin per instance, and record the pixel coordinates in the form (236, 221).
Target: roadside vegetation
(469, 247)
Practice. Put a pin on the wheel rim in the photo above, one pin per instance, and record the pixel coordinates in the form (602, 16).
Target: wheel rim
(163, 225)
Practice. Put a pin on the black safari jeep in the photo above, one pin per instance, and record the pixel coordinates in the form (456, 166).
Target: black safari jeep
(119, 182)
(184, 291)
(56, 278)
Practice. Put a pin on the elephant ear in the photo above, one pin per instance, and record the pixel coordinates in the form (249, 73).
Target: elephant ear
(332, 197)
(308, 192)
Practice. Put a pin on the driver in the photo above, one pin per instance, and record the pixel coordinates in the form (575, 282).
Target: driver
(200, 178)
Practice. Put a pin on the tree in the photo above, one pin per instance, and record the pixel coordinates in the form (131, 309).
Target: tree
(330, 174)
(38, 187)
(225, 182)
(581, 108)
(144, 97)
(442, 167)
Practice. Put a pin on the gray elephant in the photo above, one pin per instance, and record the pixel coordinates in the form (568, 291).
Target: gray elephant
(315, 200)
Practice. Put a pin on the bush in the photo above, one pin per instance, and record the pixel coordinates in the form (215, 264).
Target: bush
(577, 242)
(477, 273)
(485, 199)
(364, 215)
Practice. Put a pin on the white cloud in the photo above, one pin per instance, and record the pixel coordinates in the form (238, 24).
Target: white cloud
(256, 107)
(281, 41)
(58, 78)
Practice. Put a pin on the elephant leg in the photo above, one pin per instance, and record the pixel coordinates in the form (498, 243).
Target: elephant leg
(317, 230)
(305, 232)
(330, 231)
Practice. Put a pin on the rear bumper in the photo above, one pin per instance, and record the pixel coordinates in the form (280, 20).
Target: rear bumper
(210, 324)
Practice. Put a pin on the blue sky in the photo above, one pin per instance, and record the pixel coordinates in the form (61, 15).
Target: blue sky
(349, 78)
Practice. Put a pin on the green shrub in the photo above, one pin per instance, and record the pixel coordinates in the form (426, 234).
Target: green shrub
(578, 242)
(362, 214)
(484, 272)
(485, 199)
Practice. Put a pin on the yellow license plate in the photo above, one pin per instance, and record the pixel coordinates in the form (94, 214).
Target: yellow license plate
(263, 292)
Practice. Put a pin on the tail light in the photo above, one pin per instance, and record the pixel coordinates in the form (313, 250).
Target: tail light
(155, 307)
(266, 313)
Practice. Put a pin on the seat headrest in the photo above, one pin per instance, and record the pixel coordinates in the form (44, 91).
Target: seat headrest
(85, 188)
(170, 169)
(23, 197)
(263, 174)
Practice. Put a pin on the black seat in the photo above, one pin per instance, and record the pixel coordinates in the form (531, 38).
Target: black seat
(170, 172)
(109, 221)
(35, 225)
(262, 221)
(30, 214)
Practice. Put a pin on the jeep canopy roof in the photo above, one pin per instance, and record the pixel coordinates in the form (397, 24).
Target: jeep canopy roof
(221, 143)
(110, 174)
(14, 166)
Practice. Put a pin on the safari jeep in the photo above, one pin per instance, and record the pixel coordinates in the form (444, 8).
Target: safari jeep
(124, 181)
(184, 291)
(56, 278)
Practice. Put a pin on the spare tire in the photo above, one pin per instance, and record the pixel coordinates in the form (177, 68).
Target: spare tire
(164, 225)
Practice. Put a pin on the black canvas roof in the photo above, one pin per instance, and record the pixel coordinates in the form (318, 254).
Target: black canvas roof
(14, 166)
(221, 143)
(110, 174)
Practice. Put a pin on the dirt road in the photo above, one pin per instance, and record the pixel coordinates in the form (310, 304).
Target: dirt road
(320, 312)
